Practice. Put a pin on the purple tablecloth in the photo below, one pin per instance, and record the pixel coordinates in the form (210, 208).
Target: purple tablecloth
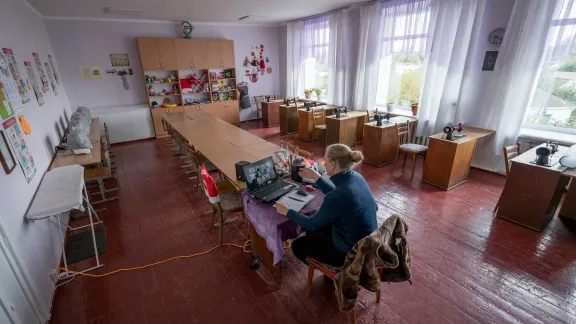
(273, 227)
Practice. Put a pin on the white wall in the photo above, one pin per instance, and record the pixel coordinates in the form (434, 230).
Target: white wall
(36, 245)
(89, 42)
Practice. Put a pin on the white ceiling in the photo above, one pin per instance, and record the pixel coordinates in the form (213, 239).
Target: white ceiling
(228, 11)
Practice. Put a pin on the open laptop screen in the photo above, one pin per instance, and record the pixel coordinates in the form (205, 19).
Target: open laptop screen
(259, 173)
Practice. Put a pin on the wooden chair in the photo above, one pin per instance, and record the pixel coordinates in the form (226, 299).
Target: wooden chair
(316, 265)
(230, 202)
(99, 174)
(318, 126)
(108, 143)
(370, 115)
(511, 152)
(403, 130)
(304, 154)
(288, 146)
(258, 102)
(200, 160)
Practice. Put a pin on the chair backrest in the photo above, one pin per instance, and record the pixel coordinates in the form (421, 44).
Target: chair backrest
(107, 134)
(258, 101)
(288, 146)
(511, 152)
(304, 153)
(318, 114)
(403, 130)
(370, 115)
(210, 188)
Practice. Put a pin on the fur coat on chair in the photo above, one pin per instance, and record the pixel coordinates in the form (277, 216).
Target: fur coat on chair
(383, 255)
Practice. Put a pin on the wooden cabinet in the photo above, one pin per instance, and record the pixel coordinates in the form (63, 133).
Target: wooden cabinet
(199, 56)
(227, 52)
(167, 53)
(148, 54)
(220, 53)
(341, 130)
(271, 113)
(232, 112)
(157, 119)
(183, 53)
(380, 144)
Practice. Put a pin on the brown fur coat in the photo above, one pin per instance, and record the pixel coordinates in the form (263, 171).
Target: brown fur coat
(384, 255)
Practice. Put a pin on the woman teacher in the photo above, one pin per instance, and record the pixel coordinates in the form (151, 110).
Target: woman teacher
(347, 214)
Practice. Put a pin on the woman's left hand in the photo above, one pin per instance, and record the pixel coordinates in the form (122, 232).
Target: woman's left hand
(281, 208)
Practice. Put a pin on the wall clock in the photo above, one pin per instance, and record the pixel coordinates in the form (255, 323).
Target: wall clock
(496, 36)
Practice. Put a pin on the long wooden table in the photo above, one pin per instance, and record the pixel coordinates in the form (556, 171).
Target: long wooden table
(67, 157)
(532, 193)
(448, 162)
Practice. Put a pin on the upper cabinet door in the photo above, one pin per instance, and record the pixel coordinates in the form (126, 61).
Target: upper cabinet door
(183, 54)
(214, 53)
(199, 57)
(227, 48)
(167, 53)
(148, 54)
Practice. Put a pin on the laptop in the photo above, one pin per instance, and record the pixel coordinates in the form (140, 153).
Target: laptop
(262, 181)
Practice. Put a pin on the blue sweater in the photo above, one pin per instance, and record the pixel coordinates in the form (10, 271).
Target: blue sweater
(349, 208)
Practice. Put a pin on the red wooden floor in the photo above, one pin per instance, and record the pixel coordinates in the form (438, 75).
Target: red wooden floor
(468, 267)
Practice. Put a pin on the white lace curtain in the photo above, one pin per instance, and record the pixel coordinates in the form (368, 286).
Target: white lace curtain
(316, 38)
(562, 33)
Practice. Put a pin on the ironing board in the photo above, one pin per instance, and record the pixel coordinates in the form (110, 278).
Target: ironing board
(60, 191)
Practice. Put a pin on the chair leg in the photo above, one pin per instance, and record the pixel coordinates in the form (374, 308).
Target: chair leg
(353, 315)
(413, 164)
(309, 282)
(378, 295)
(221, 230)
(405, 157)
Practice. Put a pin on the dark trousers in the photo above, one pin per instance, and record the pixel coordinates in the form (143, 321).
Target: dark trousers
(318, 245)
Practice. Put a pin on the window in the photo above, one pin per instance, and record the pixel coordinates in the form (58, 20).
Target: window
(401, 68)
(316, 40)
(553, 104)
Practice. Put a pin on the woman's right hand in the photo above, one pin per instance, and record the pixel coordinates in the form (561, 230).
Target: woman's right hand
(309, 173)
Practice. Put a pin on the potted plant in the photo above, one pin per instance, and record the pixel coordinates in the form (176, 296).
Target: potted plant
(318, 93)
(390, 104)
(414, 106)
(308, 93)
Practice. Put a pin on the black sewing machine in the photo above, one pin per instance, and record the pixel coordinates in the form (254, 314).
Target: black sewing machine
(339, 111)
(381, 117)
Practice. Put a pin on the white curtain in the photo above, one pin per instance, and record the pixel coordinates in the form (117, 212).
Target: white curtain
(453, 33)
(316, 38)
(339, 84)
(385, 28)
(514, 78)
(294, 61)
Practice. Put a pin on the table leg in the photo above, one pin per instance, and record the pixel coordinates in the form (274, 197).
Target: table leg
(260, 251)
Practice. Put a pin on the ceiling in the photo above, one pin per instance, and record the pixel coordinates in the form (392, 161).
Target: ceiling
(224, 11)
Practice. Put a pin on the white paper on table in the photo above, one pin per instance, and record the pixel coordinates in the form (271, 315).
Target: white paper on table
(294, 201)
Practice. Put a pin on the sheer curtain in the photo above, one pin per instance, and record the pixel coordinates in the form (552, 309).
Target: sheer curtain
(386, 27)
(316, 38)
(339, 85)
(514, 77)
(454, 29)
(294, 61)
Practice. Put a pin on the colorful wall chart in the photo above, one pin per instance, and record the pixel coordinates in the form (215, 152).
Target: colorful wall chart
(56, 75)
(10, 87)
(21, 85)
(34, 83)
(15, 137)
(51, 77)
(43, 77)
(6, 110)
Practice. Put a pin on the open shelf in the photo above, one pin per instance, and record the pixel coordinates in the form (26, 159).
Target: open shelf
(170, 95)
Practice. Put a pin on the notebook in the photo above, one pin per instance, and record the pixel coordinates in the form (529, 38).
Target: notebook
(294, 201)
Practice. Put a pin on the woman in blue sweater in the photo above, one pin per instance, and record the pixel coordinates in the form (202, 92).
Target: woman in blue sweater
(347, 214)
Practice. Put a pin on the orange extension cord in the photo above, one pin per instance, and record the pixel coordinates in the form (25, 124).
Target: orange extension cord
(244, 248)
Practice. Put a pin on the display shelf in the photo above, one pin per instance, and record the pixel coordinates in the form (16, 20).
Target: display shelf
(173, 82)
(170, 95)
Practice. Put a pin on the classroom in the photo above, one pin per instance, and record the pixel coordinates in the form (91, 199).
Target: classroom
(265, 161)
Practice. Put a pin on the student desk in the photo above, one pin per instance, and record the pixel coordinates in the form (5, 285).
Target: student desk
(306, 122)
(345, 130)
(532, 193)
(568, 209)
(67, 157)
(271, 112)
(289, 118)
(380, 143)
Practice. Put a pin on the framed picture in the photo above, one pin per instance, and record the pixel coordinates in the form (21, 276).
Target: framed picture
(220, 75)
(212, 76)
(228, 74)
(119, 60)
(6, 157)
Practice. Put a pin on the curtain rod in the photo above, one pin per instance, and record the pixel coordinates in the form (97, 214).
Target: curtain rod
(361, 4)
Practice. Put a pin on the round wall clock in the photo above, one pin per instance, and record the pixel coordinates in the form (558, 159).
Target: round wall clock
(496, 36)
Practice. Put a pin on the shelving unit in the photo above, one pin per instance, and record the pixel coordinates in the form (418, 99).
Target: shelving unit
(191, 62)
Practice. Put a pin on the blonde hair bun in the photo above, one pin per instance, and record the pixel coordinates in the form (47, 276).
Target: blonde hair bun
(356, 156)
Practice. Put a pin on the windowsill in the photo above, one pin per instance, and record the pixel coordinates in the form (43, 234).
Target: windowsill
(544, 135)
(397, 111)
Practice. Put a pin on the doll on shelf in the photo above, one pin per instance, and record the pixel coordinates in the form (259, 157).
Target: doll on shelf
(151, 91)
(175, 89)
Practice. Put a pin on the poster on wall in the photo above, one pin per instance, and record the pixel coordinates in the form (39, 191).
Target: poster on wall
(15, 137)
(119, 60)
(51, 77)
(41, 72)
(23, 86)
(9, 86)
(6, 110)
(260, 64)
(90, 72)
(33, 82)
(54, 70)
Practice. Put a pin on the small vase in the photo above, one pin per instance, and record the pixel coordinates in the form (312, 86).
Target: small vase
(414, 109)
(308, 95)
(390, 107)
